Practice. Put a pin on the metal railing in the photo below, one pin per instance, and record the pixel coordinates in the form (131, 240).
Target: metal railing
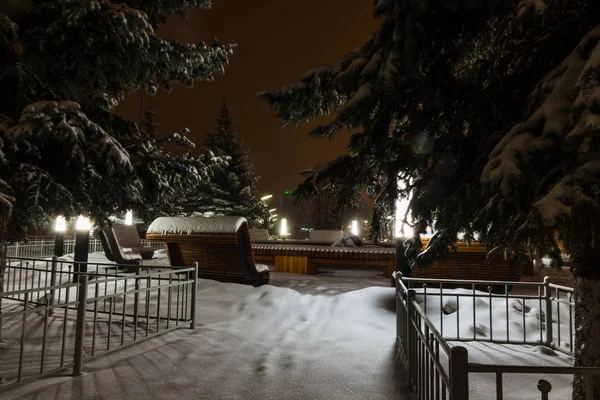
(47, 321)
(546, 314)
(438, 370)
(45, 248)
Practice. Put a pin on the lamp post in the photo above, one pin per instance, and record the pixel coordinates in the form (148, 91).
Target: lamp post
(354, 227)
(283, 230)
(82, 243)
(129, 218)
(59, 236)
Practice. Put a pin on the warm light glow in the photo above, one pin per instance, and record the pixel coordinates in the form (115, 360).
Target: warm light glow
(272, 209)
(354, 228)
(128, 218)
(274, 215)
(284, 230)
(61, 224)
(267, 197)
(401, 229)
(83, 224)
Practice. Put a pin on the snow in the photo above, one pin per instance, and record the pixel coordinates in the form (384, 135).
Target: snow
(276, 343)
(511, 319)
(373, 65)
(564, 115)
(363, 94)
(538, 5)
(190, 225)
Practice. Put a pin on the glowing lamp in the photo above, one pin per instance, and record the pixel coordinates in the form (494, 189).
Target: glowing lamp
(354, 228)
(283, 230)
(61, 224)
(83, 224)
(129, 218)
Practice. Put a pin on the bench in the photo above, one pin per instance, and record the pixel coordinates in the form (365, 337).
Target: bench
(113, 251)
(259, 235)
(324, 236)
(303, 259)
(129, 241)
(470, 263)
(220, 245)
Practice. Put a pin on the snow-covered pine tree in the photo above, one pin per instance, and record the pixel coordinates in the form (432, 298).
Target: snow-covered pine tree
(232, 184)
(64, 65)
(434, 90)
(169, 182)
(399, 89)
(545, 176)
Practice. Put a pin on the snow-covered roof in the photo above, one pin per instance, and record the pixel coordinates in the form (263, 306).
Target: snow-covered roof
(191, 225)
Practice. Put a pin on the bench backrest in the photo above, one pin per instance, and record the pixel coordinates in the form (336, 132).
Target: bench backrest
(259, 235)
(216, 250)
(112, 249)
(325, 235)
(126, 235)
(470, 263)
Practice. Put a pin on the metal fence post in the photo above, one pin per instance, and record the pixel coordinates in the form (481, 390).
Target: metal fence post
(459, 373)
(549, 311)
(136, 299)
(80, 325)
(194, 293)
(411, 346)
(399, 317)
(53, 282)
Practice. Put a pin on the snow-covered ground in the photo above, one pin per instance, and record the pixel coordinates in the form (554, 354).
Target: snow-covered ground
(454, 317)
(276, 343)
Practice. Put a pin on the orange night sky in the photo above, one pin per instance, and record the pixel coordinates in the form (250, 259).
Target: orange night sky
(278, 41)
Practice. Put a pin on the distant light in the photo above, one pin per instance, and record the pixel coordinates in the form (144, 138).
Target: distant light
(129, 218)
(272, 209)
(61, 224)
(83, 223)
(267, 197)
(354, 228)
(283, 231)
(402, 229)
(289, 192)
(274, 215)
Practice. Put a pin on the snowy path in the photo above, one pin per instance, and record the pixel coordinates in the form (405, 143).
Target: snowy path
(265, 343)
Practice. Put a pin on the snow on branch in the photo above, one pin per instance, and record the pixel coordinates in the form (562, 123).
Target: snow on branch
(563, 125)
(48, 123)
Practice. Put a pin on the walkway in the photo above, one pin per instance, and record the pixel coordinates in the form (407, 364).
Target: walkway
(265, 343)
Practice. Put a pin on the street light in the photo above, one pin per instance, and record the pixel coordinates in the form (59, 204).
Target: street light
(82, 243)
(267, 197)
(354, 227)
(283, 229)
(129, 218)
(272, 209)
(59, 236)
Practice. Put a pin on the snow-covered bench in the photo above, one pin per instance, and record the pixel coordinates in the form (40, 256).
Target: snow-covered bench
(304, 258)
(220, 245)
(129, 241)
(259, 235)
(113, 251)
(324, 236)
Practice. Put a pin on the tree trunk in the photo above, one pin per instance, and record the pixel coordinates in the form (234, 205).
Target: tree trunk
(586, 272)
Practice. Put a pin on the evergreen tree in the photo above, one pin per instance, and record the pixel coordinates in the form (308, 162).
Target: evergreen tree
(439, 88)
(232, 185)
(64, 65)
